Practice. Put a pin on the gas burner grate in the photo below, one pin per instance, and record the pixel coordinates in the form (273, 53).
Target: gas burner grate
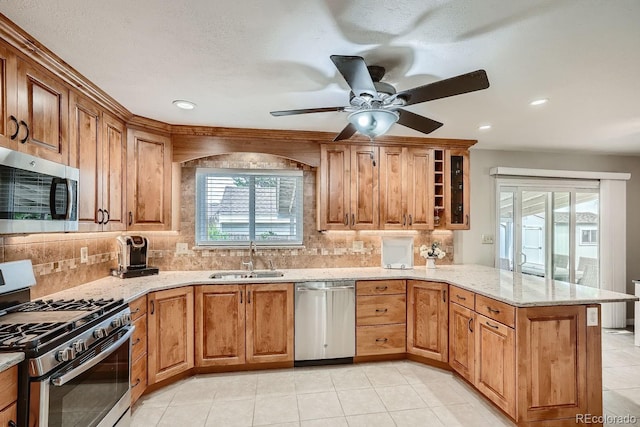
(63, 305)
(27, 335)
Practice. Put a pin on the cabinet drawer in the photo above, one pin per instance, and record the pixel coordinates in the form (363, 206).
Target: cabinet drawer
(138, 378)
(9, 415)
(380, 287)
(138, 307)
(381, 309)
(496, 310)
(139, 338)
(462, 297)
(9, 389)
(386, 339)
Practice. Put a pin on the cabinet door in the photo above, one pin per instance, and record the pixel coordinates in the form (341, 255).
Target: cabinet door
(461, 341)
(364, 187)
(8, 119)
(220, 325)
(419, 191)
(333, 188)
(170, 340)
(457, 189)
(495, 374)
(149, 181)
(269, 325)
(114, 173)
(427, 319)
(43, 103)
(552, 365)
(393, 203)
(85, 139)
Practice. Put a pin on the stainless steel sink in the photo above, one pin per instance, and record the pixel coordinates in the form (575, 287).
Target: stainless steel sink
(243, 274)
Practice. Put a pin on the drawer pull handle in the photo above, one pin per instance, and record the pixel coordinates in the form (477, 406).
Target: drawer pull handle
(444, 296)
(381, 288)
(461, 297)
(137, 310)
(14, 120)
(346, 219)
(26, 126)
(493, 310)
(382, 339)
(492, 326)
(381, 310)
(136, 384)
(470, 324)
(137, 341)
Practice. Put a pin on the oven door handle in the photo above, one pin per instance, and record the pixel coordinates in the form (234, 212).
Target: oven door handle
(63, 379)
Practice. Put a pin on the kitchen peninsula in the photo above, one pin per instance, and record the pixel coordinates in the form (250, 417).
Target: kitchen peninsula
(530, 345)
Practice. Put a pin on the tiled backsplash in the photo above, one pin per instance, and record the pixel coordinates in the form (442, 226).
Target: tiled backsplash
(56, 257)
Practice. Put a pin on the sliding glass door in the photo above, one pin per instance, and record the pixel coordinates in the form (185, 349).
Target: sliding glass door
(549, 229)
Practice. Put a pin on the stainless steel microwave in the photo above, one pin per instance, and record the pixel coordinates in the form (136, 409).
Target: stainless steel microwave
(36, 195)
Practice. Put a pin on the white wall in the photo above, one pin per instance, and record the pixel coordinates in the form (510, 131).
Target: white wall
(468, 244)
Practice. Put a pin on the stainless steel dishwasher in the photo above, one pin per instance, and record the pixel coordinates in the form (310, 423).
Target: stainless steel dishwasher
(325, 322)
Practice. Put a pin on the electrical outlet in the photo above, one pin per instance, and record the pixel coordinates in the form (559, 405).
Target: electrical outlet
(182, 248)
(358, 246)
(84, 255)
(487, 239)
(592, 316)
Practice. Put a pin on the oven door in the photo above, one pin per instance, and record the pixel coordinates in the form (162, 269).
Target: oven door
(95, 392)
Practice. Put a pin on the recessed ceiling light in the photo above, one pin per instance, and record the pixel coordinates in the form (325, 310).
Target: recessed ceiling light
(184, 105)
(539, 101)
(484, 127)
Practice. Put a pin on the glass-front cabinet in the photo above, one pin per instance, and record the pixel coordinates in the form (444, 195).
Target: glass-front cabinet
(456, 208)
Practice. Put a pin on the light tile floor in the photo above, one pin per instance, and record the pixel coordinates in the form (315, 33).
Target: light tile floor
(401, 393)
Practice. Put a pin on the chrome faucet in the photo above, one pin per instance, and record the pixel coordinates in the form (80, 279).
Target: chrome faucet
(252, 249)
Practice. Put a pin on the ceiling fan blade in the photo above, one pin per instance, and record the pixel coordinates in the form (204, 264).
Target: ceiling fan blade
(305, 111)
(470, 82)
(355, 72)
(417, 122)
(346, 133)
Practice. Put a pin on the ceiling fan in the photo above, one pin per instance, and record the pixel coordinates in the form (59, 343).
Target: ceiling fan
(374, 105)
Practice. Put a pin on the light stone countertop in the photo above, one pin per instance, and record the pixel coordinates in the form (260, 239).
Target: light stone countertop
(512, 288)
(8, 360)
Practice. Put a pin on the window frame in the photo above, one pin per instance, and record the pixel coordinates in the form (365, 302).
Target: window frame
(203, 172)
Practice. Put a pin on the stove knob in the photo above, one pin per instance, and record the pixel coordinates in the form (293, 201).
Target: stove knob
(100, 333)
(71, 353)
(116, 323)
(126, 319)
(80, 346)
(61, 356)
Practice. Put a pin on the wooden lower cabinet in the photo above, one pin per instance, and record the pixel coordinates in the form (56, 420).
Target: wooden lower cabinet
(495, 372)
(557, 366)
(238, 324)
(138, 348)
(462, 355)
(8, 397)
(170, 333)
(428, 319)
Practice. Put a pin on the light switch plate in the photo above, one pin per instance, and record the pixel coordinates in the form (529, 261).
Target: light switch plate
(487, 239)
(592, 316)
(358, 246)
(84, 255)
(182, 248)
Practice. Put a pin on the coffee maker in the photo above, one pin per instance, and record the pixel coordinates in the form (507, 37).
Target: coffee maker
(132, 257)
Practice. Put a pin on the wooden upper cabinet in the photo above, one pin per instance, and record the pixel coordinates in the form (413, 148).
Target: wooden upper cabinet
(348, 187)
(457, 196)
(43, 111)
(220, 325)
(269, 328)
(97, 142)
(427, 319)
(149, 181)
(406, 194)
(170, 333)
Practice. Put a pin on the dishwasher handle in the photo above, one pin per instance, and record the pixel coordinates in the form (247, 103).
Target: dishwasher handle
(335, 288)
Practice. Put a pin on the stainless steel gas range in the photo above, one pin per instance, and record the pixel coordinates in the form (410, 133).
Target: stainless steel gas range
(77, 354)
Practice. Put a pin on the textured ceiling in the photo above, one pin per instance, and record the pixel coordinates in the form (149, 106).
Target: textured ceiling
(238, 60)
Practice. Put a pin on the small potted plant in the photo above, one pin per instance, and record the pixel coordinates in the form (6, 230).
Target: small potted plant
(431, 253)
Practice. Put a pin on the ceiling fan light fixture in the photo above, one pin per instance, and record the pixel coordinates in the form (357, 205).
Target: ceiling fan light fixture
(373, 122)
(184, 105)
